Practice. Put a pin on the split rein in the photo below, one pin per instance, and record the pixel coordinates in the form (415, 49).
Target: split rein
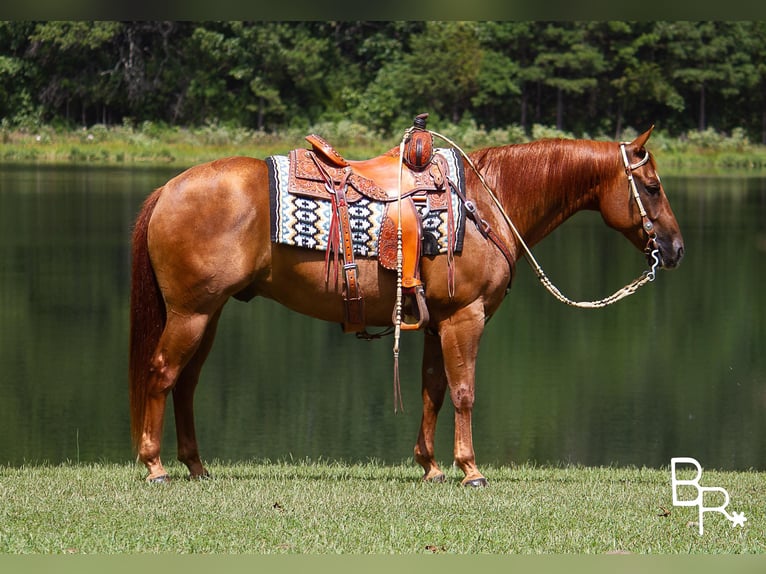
(651, 246)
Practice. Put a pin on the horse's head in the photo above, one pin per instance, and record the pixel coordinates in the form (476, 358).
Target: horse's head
(636, 205)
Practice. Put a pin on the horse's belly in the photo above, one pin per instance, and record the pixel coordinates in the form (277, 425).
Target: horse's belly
(301, 281)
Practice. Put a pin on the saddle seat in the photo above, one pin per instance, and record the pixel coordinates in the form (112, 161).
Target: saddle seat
(377, 177)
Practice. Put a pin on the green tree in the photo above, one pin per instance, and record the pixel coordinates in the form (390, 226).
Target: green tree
(439, 74)
(215, 89)
(587, 76)
(507, 71)
(757, 47)
(444, 64)
(106, 70)
(708, 61)
(262, 74)
(367, 48)
(569, 63)
(642, 82)
(17, 101)
(72, 57)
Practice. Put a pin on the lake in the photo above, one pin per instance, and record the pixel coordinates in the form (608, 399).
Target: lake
(676, 370)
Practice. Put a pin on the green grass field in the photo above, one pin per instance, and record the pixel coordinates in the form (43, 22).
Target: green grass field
(706, 152)
(319, 508)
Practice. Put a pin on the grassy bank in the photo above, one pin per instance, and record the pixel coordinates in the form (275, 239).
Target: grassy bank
(316, 508)
(149, 144)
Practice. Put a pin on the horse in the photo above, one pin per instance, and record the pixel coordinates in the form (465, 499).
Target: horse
(203, 238)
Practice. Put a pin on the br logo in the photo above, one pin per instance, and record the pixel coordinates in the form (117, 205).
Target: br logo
(736, 518)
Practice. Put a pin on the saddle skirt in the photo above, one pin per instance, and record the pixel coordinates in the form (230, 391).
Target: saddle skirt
(302, 211)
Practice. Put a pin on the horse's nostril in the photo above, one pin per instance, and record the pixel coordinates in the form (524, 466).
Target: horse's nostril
(680, 253)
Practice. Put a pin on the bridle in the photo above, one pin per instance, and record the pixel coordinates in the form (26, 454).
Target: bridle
(646, 223)
(652, 249)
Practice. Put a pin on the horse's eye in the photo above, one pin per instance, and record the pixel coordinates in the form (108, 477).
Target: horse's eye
(653, 188)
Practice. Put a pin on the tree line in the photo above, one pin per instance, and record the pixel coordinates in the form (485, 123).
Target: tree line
(594, 77)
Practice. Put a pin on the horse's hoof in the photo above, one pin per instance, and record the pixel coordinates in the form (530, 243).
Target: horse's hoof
(476, 482)
(437, 479)
(204, 476)
(162, 479)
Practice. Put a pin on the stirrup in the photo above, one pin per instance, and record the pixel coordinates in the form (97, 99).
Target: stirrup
(414, 316)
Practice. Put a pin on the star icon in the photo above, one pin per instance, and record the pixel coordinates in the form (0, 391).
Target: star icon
(738, 519)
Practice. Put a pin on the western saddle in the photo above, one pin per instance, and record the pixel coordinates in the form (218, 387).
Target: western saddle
(322, 173)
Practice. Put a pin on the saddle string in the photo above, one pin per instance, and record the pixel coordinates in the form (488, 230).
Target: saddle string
(646, 277)
(333, 237)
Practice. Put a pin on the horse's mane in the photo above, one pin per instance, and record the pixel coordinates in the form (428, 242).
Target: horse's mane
(548, 167)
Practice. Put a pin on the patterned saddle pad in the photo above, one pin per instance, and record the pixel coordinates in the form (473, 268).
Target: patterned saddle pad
(304, 221)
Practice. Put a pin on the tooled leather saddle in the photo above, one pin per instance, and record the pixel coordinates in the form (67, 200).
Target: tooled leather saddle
(321, 173)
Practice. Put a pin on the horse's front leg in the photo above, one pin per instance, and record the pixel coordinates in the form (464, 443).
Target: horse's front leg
(460, 335)
(433, 390)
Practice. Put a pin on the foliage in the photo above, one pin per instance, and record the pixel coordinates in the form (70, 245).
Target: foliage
(578, 76)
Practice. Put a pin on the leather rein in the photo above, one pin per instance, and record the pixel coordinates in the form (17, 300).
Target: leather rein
(486, 231)
(651, 248)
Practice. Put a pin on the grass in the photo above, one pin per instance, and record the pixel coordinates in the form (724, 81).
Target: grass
(150, 144)
(336, 508)
(153, 145)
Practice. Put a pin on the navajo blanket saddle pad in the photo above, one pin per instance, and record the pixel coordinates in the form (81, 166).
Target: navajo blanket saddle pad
(301, 211)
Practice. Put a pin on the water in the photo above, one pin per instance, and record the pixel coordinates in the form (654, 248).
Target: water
(676, 370)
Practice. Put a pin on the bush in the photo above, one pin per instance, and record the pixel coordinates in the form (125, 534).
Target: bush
(541, 132)
(713, 140)
(346, 133)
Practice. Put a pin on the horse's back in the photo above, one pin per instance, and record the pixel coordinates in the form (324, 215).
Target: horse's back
(222, 174)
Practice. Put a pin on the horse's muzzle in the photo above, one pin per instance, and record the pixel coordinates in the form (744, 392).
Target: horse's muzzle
(671, 253)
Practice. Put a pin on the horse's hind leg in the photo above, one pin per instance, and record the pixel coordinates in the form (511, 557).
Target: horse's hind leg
(183, 402)
(434, 388)
(179, 342)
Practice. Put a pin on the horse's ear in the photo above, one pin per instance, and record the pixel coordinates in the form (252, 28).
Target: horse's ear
(641, 140)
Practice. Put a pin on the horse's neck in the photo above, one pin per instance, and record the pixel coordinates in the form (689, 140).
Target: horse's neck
(542, 184)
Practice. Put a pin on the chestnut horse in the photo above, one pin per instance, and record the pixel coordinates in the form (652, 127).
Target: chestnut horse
(204, 237)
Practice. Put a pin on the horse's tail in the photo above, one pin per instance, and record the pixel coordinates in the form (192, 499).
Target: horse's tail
(147, 318)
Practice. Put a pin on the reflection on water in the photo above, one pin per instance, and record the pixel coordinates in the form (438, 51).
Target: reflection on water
(676, 370)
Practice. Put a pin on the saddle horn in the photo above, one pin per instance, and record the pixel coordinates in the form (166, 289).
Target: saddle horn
(419, 146)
